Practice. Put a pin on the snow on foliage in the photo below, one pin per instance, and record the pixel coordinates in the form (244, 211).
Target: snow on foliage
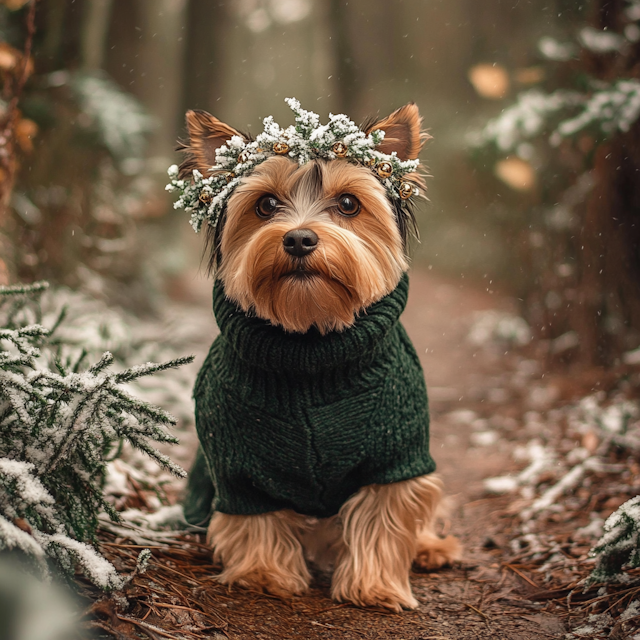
(541, 459)
(562, 114)
(619, 547)
(604, 108)
(550, 48)
(205, 198)
(597, 625)
(528, 118)
(57, 430)
(117, 116)
(601, 41)
(549, 483)
(87, 327)
(259, 15)
(613, 109)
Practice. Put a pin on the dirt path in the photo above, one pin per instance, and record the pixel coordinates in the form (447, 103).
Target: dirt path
(480, 597)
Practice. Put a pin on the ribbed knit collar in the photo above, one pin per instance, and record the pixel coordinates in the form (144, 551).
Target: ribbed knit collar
(260, 344)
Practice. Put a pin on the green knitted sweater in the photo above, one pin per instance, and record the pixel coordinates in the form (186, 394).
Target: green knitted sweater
(302, 421)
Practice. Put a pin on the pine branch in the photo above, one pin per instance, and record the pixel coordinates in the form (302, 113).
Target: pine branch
(151, 368)
(56, 431)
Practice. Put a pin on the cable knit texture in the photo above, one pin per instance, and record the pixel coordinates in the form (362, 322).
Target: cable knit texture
(302, 421)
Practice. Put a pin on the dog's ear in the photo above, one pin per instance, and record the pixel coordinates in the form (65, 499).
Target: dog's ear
(403, 132)
(206, 134)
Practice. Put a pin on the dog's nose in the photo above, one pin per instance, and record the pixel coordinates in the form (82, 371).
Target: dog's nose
(300, 242)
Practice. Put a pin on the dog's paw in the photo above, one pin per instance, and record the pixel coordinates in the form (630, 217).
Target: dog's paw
(374, 595)
(276, 583)
(379, 598)
(438, 552)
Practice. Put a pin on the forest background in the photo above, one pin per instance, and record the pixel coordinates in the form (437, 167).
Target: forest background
(534, 109)
(112, 79)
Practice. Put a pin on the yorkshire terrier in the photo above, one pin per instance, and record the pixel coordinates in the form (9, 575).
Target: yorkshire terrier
(311, 407)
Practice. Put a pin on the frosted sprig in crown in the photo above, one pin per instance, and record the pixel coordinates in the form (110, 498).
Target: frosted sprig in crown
(206, 197)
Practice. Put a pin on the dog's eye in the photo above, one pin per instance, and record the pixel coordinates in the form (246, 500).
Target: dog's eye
(348, 205)
(266, 206)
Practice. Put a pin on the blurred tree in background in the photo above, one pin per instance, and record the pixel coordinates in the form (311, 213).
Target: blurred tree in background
(573, 144)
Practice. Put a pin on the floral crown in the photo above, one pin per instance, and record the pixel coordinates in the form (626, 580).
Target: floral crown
(205, 198)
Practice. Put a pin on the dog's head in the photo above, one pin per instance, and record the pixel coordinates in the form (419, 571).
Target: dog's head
(312, 244)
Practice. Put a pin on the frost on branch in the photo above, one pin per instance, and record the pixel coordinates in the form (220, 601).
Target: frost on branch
(562, 114)
(118, 117)
(603, 108)
(57, 431)
(619, 547)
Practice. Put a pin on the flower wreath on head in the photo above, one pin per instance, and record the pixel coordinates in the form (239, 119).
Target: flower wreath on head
(205, 198)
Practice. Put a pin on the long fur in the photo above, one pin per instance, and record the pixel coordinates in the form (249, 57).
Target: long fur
(358, 261)
(261, 552)
(380, 535)
(371, 545)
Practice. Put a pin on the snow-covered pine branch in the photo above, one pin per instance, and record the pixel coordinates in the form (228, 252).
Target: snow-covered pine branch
(57, 429)
(118, 118)
(562, 114)
(619, 547)
(604, 108)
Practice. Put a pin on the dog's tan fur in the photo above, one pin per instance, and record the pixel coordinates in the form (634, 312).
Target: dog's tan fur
(382, 529)
(358, 261)
(370, 545)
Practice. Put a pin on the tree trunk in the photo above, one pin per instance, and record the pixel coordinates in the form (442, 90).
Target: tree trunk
(162, 31)
(204, 60)
(95, 26)
(607, 314)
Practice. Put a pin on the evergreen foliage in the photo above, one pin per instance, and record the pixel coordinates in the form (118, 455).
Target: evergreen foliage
(59, 423)
(569, 139)
(603, 108)
(619, 547)
(117, 117)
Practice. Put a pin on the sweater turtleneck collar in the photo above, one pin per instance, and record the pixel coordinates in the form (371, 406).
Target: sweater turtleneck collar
(260, 344)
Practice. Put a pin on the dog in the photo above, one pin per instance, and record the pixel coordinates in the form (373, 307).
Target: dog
(311, 407)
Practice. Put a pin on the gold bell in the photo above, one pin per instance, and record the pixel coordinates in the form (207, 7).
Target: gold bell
(384, 169)
(405, 190)
(370, 162)
(340, 149)
(205, 197)
(280, 148)
(243, 157)
(230, 176)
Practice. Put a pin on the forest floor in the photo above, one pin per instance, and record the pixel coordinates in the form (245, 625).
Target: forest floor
(482, 399)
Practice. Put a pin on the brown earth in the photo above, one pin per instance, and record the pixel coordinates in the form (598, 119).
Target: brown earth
(481, 597)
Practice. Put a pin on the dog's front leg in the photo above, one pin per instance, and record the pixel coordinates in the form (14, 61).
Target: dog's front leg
(380, 530)
(261, 552)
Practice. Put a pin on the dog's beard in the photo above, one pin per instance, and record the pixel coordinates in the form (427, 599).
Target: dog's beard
(345, 274)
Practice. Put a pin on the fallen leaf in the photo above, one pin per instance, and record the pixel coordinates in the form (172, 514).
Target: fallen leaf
(8, 57)
(516, 173)
(26, 130)
(489, 80)
(590, 441)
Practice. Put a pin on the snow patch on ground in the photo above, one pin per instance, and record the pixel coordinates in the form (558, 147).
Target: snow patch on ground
(491, 327)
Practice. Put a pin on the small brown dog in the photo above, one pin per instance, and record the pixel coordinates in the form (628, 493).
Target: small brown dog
(311, 407)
